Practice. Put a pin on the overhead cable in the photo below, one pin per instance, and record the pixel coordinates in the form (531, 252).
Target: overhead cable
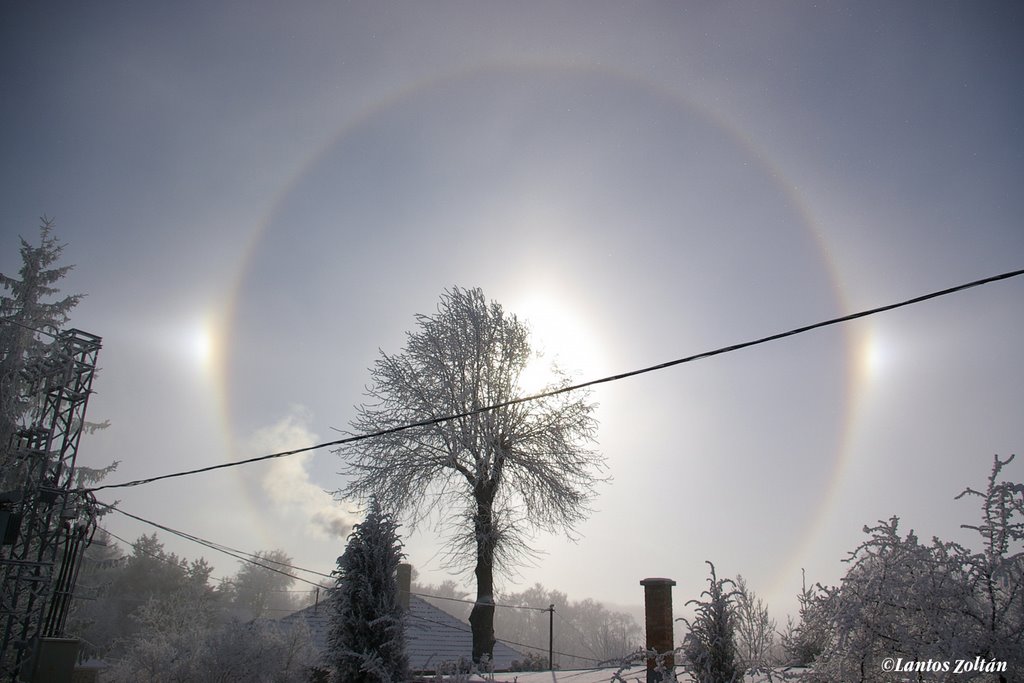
(237, 554)
(569, 388)
(499, 640)
(473, 602)
(12, 321)
(162, 558)
(215, 546)
(258, 560)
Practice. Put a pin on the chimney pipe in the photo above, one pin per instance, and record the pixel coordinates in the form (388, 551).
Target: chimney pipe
(404, 584)
(658, 618)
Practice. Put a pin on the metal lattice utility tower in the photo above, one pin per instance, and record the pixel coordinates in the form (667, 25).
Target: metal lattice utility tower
(50, 522)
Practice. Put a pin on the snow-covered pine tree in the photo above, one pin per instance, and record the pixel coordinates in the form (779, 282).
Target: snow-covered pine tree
(27, 307)
(367, 640)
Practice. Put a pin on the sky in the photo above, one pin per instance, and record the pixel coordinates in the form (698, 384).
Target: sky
(259, 198)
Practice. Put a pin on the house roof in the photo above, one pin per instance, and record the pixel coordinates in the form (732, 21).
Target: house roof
(432, 636)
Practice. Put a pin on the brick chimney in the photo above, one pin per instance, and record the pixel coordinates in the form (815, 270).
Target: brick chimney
(658, 618)
(404, 584)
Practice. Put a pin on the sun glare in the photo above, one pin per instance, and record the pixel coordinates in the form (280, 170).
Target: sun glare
(200, 343)
(202, 346)
(873, 356)
(560, 337)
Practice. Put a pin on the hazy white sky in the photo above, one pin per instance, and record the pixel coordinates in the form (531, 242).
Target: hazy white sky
(259, 197)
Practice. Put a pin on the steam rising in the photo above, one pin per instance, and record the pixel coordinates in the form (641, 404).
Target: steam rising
(287, 482)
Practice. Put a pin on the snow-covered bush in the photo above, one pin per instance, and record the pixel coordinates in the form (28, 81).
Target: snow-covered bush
(367, 640)
(804, 641)
(532, 661)
(994, 577)
(179, 642)
(258, 651)
(899, 599)
(172, 636)
(931, 603)
(710, 646)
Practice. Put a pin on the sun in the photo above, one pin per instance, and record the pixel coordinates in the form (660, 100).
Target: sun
(560, 338)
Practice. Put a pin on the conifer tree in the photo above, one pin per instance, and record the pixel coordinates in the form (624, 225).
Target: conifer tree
(367, 640)
(27, 309)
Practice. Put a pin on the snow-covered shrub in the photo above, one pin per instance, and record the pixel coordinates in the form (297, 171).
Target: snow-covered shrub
(931, 603)
(995, 576)
(899, 599)
(710, 646)
(805, 640)
(179, 643)
(533, 661)
(258, 651)
(172, 636)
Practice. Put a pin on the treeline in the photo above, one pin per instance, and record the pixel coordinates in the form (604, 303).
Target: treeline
(586, 632)
(152, 615)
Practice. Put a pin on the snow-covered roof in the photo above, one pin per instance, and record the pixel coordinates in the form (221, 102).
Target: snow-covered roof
(432, 636)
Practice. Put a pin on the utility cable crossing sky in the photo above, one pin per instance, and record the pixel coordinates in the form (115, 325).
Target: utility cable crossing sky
(574, 387)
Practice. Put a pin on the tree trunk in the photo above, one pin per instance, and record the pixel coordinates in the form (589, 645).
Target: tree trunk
(481, 619)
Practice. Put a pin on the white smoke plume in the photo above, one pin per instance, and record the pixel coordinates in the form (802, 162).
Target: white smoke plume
(287, 483)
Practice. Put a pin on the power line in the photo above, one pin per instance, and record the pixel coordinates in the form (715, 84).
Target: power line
(219, 548)
(162, 558)
(168, 560)
(410, 614)
(257, 560)
(585, 640)
(473, 602)
(237, 554)
(498, 640)
(12, 321)
(573, 387)
(252, 558)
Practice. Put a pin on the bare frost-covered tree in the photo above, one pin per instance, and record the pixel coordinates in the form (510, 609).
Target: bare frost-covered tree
(755, 629)
(995, 575)
(494, 477)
